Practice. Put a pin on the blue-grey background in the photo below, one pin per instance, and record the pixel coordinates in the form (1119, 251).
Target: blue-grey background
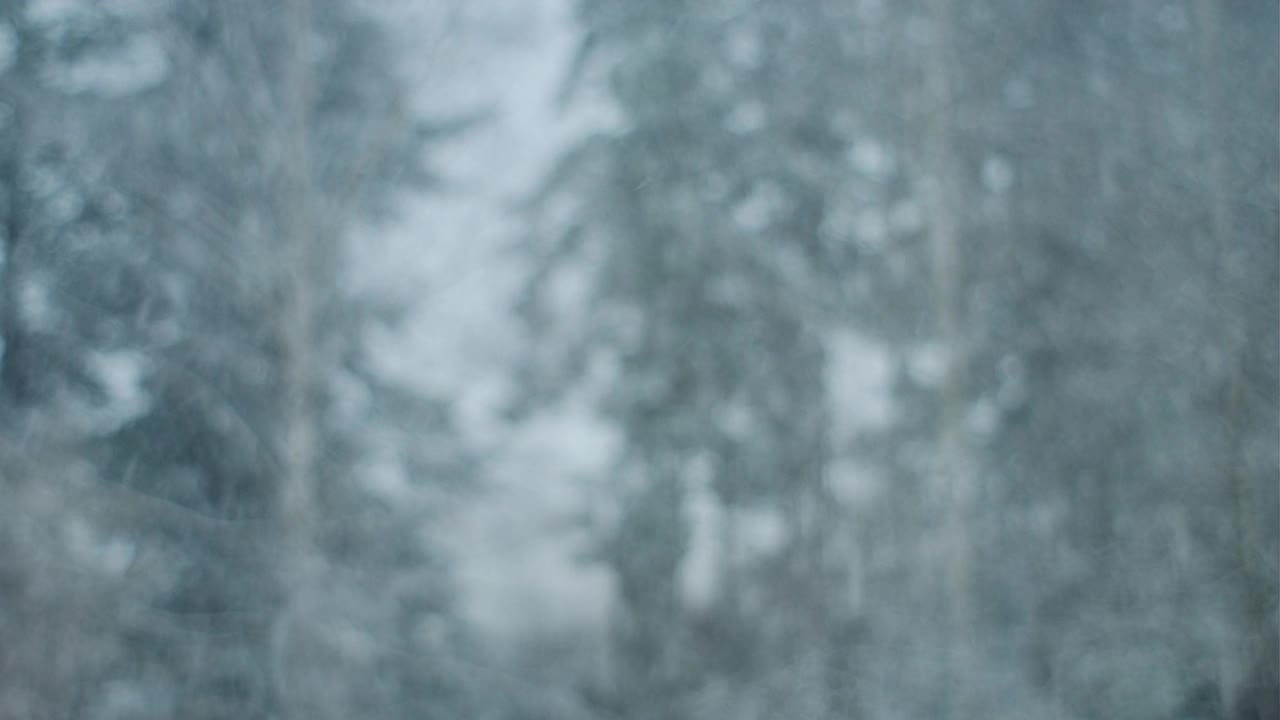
(639, 359)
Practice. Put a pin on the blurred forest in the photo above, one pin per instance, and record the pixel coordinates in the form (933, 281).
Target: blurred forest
(640, 360)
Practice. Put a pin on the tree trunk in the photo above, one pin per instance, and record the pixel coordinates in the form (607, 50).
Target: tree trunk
(1260, 696)
(953, 462)
(297, 277)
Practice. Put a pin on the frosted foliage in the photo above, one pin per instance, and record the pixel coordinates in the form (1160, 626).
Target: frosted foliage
(139, 65)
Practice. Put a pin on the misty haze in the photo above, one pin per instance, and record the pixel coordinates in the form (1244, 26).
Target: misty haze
(640, 359)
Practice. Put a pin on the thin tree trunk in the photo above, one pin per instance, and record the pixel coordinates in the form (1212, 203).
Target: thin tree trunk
(297, 275)
(1260, 642)
(298, 312)
(947, 280)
